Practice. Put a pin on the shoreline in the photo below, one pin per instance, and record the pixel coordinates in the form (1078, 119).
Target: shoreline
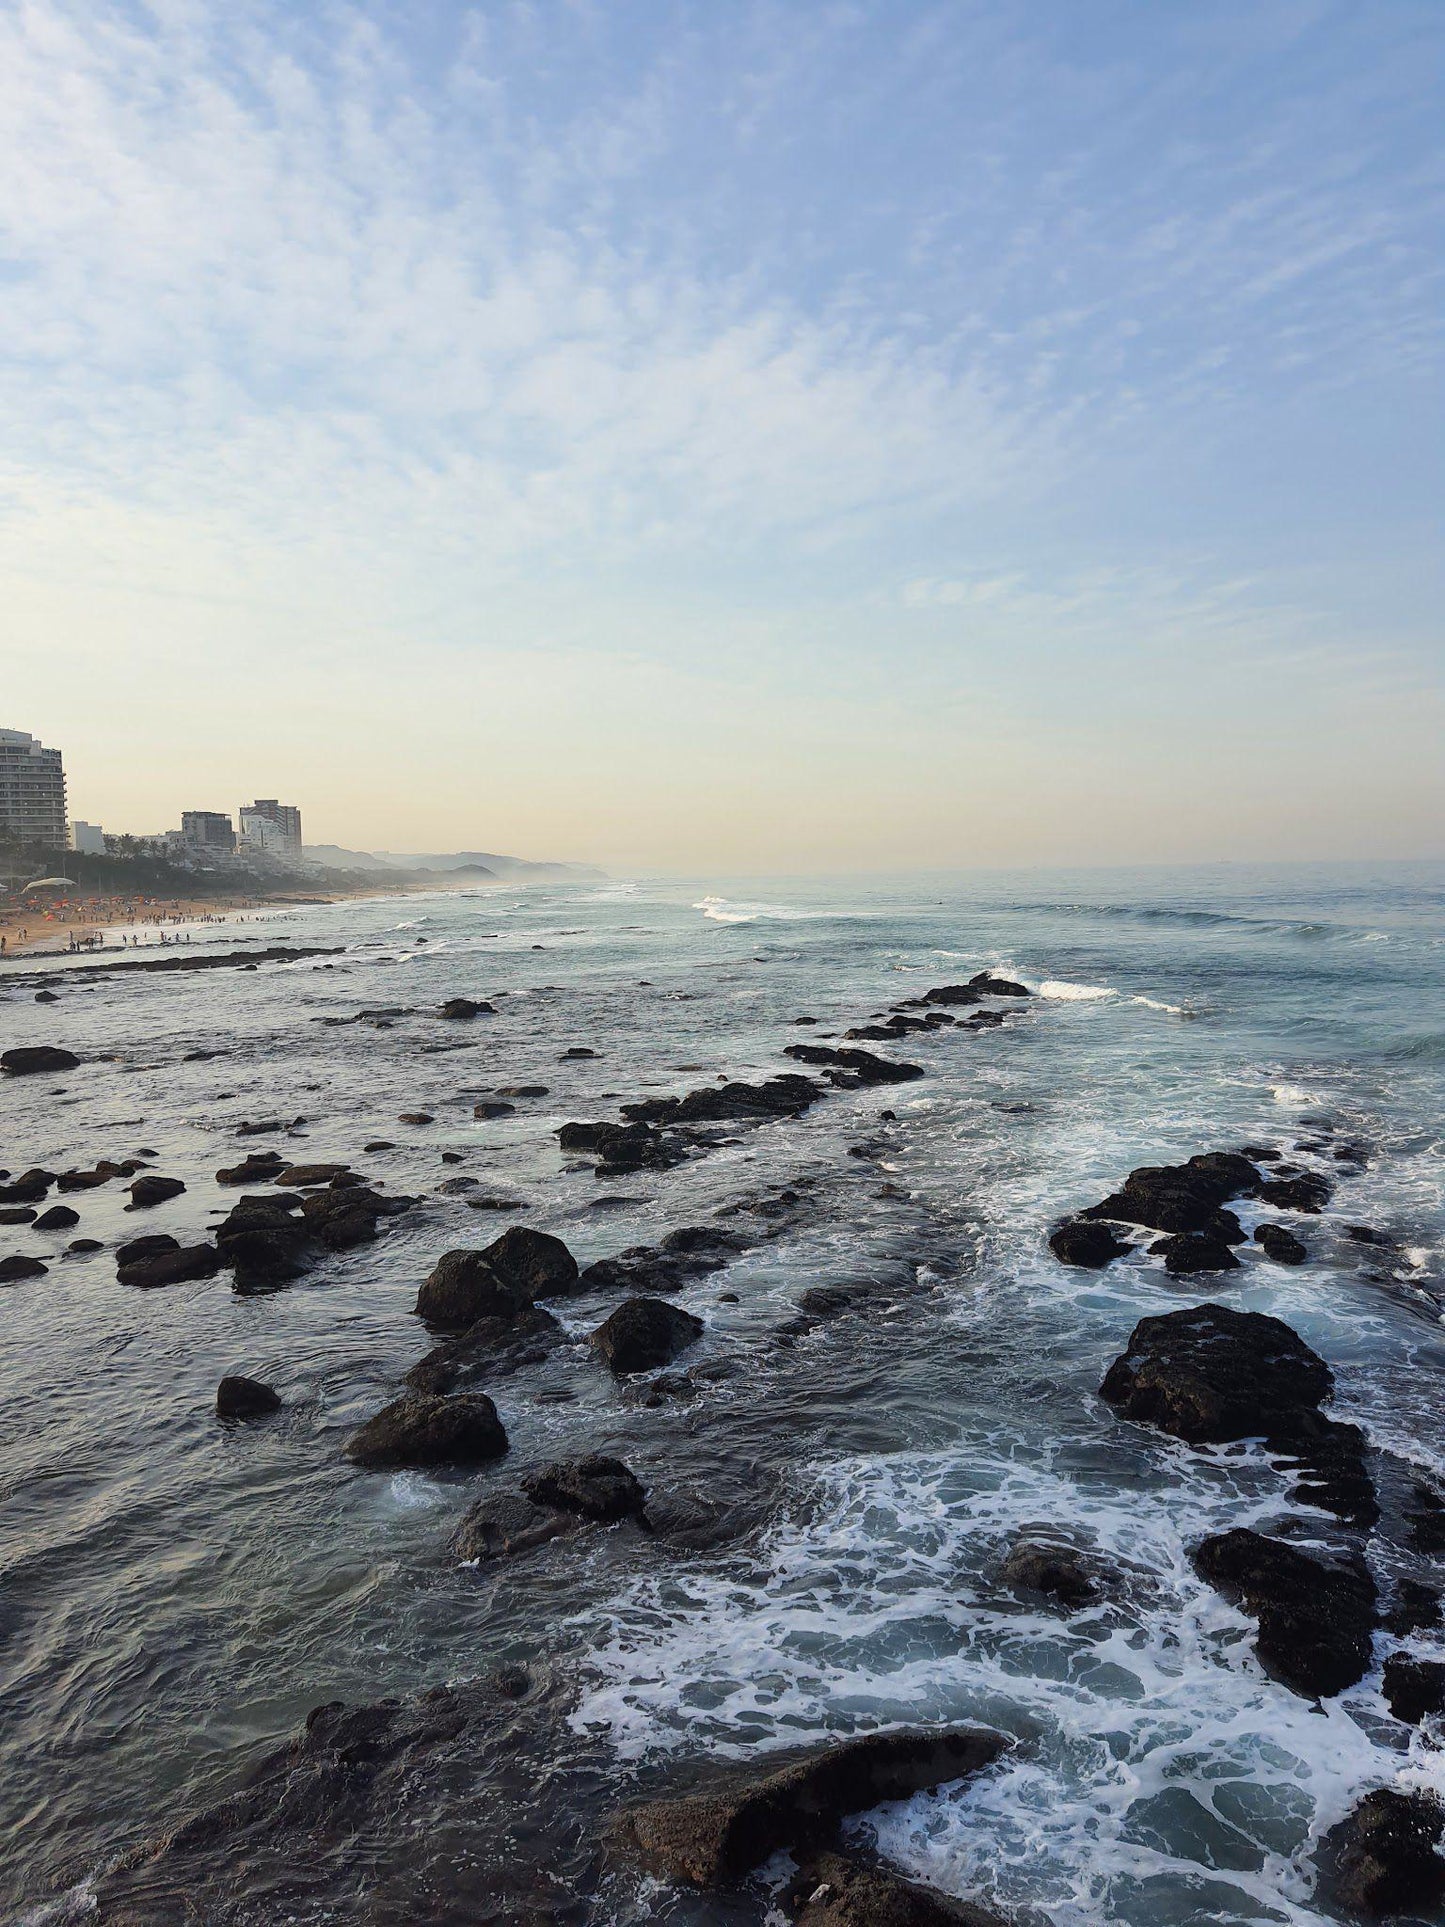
(159, 922)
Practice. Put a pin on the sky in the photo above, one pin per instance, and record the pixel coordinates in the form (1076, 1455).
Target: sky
(759, 436)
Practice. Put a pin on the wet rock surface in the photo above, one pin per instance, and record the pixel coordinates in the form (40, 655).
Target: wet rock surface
(1316, 1615)
(1280, 1244)
(1381, 1860)
(855, 1069)
(1090, 1245)
(839, 1890)
(419, 1429)
(643, 1334)
(240, 1397)
(597, 1487)
(32, 1060)
(717, 1835)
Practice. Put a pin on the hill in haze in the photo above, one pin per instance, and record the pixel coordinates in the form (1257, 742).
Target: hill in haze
(479, 864)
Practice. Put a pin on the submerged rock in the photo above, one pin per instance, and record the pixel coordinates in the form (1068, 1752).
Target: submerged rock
(29, 1060)
(504, 1525)
(464, 1007)
(837, 1890)
(490, 1348)
(1051, 1567)
(259, 1168)
(716, 1836)
(239, 1397)
(736, 1102)
(1189, 1252)
(1316, 1617)
(1384, 1855)
(420, 1430)
(1307, 1192)
(643, 1334)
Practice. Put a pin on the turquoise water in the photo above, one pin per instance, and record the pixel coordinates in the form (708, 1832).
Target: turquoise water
(176, 1597)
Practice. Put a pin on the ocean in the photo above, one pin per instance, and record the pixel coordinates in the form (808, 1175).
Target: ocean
(176, 1594)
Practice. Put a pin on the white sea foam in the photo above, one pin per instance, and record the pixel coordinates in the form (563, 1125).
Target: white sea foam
(1067, 993)
(1293, 1094)
(727, 910)
(1153, 1003)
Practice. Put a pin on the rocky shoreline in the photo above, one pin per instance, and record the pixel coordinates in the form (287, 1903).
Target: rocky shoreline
(1203, 1374)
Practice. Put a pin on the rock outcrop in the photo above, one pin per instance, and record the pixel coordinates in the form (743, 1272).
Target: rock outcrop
(1383, 1857)
(643, 1334)
(31, 1060)
(420, 1430)
(1316, 1616)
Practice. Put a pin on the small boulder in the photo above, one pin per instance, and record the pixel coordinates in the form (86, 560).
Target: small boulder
(493, 1107)
(421, 1430)
(522, 1090)
(1051, 1567)
(147, 1247)
(462, 1287)
(1091, 1245)
(1308, 1192)
(147, 1192)
(82, 1247)
(238, 1397)
(13, 1269)
(29, 1188)
(29, 1060)
(59, 1217)
(1280, 1245)
(1189, 1252)
(17, 1214)
(505, 1524)
(1414, 1688)
(1210, 1375)
(1384, 1854)
(1316, 1617)
(304, 1177)
(598, 1487)
(259, 1168)
(643, 1334)
(464, 1007)
(175, 1267)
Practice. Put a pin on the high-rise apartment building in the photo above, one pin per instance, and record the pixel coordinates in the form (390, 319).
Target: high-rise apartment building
(273, 829)
(87, 839)
(32, 792)
(207, 830)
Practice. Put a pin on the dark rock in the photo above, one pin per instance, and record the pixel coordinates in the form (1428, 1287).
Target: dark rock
(13, 1269)
(836, 1890)
(522, 1090)
(259, 1168)
(1414, 1688)
(176, 1267)
(1051, 1567)
(996, 986)
(59, 1217)
(82, 1247)
(736, 1102)
(18, 1214)
(623, 1147)
(304, 1177)
(953, 994)
(92, 1180)
(1425, 1517)
(239, 1397)
(1307, 1192)
(462, 1287)
(1279, 1244)
(1091, 1245)
(1363, 1234)
(1383, 1856)
(504, 1525)
(577, 1050)
(29, 1188)
(490, 1348)
(146, 1193)
(643, 1334)
(1210, 1375)
(27, 1060)
(1184, 1197)
(1416, 1609)
(826, 1301)
(46, 997)
(378, 1144)
(326, 1780)
(598, 1487)
(716, 1836)
(497, 1204)
(1188, 1252)
(149, 1247)
(1315, 1617)
(465, 1007)
(493, 1107)
(420, 1430)
(535, 1263)
(861, 1067)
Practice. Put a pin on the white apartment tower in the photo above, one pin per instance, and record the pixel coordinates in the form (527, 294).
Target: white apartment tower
(32, 792)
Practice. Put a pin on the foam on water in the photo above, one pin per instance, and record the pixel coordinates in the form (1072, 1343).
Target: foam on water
(1066, 993)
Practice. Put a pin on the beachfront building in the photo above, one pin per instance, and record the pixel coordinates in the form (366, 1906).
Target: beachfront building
(32, 792)
(207, 830)
(271, 829)
(87, 839)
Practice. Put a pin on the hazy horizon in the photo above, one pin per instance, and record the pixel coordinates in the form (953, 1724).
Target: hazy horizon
(763, 440)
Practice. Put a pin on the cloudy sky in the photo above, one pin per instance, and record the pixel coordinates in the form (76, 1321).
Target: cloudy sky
(713, 433)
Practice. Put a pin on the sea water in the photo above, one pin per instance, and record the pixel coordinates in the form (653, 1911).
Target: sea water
(176, 1595)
